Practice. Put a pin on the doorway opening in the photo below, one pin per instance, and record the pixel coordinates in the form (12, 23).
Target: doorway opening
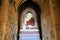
(29, 21)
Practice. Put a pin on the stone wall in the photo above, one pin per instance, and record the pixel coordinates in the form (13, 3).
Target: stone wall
(56, 11)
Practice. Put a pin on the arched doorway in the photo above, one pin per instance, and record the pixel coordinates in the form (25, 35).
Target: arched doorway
(28, 18)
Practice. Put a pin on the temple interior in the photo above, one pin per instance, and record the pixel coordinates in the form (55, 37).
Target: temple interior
(29, 19)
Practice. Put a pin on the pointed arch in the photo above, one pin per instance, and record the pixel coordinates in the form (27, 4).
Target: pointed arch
(36, 8)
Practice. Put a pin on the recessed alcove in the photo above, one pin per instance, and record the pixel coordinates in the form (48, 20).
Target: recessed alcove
(29, 21)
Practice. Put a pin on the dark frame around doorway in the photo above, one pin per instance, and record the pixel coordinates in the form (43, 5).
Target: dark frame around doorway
(37, 9)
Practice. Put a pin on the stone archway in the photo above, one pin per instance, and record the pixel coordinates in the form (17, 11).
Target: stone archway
(48, 26)
(37, 9)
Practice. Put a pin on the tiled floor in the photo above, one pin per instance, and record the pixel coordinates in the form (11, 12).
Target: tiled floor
(29, 35)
